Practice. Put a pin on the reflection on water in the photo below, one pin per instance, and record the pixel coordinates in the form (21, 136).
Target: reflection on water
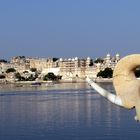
(64, 112)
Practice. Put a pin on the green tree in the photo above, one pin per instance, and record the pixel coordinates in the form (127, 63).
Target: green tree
(106, 73)
(10, 70)
(99, 60)
(59, 77)
(33, 70)
(2, 76)
(55, 59)
(31, 78)
(19, 77)
(91, 63)
(50, 76)
(3, 61)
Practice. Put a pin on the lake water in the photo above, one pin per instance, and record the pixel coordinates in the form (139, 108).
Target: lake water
(70, 111)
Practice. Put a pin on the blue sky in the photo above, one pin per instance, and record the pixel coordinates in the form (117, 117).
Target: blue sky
(69, 28)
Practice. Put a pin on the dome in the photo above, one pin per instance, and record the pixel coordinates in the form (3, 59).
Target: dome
(88, 58)
(108, 55)
(60, 59)
(73, 59)
(117, 55)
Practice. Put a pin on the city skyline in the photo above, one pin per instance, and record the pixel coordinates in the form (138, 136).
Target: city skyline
(60, 58)
(69, 28)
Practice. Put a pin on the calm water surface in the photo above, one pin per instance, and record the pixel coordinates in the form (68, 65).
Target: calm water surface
(71, 111)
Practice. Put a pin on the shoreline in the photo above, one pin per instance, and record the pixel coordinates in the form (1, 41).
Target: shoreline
(103, 80)
(45, 85)
(97, 80)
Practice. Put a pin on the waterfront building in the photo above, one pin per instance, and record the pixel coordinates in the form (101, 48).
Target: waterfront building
(20, 63)
(42, 63)
(72, 68)
(69, 69)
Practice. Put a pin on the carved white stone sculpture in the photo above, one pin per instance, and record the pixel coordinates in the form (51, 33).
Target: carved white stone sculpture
(126, 85)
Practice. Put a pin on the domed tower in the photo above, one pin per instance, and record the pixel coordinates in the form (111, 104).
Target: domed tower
(88, 61)
(60, 62)
(76, 62)
(108, 58)
(117, 57)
